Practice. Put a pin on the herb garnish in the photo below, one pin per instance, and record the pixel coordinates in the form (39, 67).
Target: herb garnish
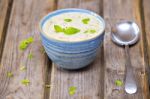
(90, 31)
(25, 82)
(71, 30)
(9, 74)
(30, 40)
(58, 28)
(24, 44)
(67, 20)
(118, 83)
(67, 30)
(30, 56)
(85, 20)
(72, 90)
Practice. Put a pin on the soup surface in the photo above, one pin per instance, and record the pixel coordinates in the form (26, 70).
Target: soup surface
(72, 27)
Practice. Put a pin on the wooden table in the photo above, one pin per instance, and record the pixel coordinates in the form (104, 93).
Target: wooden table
(19, 20)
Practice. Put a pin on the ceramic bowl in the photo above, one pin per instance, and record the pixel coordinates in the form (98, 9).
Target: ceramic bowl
(71, 55)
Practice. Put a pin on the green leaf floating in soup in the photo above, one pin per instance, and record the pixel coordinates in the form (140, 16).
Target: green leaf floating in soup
(67, 30)
(86, 20)
(90, 31)
(58, 28)
(71, 30)
(67, 20)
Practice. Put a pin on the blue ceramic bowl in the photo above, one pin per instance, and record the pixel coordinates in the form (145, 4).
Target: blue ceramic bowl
(71, 55)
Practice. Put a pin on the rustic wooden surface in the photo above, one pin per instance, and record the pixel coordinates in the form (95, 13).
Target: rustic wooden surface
(19, 20)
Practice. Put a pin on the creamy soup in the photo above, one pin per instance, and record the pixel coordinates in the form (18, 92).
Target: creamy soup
(72, 27)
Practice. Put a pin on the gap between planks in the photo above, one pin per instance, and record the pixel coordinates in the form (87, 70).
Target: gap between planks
(6, 6)
(145, 29)
(49, 71)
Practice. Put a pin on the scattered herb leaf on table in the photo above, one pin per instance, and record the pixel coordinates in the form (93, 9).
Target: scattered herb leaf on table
(9, 74)
(25, 82)
(24, 43)
(118, 83)
(72, 90)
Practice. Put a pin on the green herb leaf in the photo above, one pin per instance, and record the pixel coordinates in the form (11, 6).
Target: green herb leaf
(92, 31)
(72, 90)
(24, 44)
(118, 83)
(30, 40)
(25, 82)
(30, 56)
(71, 30)
(58, 28)
(68, 20)
(86, 20)
(9, 74)
(23, 68)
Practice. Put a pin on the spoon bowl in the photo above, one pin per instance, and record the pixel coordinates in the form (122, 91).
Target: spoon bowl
(125, 33)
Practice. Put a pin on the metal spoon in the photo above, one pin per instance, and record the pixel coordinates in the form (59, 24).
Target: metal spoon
(127, 33)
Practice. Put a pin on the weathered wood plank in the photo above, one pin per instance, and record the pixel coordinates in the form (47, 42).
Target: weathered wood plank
(5, 9)
(146, 27)
(89, 81)
(85, 4)
(115, 10)
(23, 23)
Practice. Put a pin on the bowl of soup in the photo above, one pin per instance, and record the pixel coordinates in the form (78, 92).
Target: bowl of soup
(71, 37)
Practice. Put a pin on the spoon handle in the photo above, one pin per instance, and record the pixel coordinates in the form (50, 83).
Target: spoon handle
(130, 84)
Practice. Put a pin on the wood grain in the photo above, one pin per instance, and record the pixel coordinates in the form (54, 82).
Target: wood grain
(24, 20)
(146, 27)
(114, 11)
(5, 10)
(89, 81)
